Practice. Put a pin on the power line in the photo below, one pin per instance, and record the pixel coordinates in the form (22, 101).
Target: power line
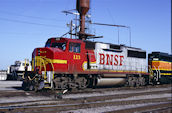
(25, 33)
(113, 20)
(26, 22)
(34, 17)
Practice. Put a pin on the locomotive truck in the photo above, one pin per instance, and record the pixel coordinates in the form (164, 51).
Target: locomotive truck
(79, 63)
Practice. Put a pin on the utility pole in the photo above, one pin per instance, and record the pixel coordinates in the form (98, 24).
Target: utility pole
(130, 34)
(71, 25)
(76, 26)
(118, 35)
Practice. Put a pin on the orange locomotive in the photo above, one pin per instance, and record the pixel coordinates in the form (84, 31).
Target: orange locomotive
(161, 67)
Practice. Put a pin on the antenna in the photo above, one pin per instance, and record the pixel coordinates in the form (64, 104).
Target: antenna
(82, 6)
(73, 12)
(70, 25)
(110, 25)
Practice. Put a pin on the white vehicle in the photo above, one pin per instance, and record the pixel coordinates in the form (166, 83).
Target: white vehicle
(16, 71)
(3, 75)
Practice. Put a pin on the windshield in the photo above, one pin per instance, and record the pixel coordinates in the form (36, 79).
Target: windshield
(60, 45)
(17, 64)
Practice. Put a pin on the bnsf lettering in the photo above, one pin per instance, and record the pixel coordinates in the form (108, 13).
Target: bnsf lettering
(111, 59)
(102, 58)
(121, 60)
(116, 60)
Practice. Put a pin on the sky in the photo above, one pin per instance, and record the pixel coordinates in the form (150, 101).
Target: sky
(27, 24)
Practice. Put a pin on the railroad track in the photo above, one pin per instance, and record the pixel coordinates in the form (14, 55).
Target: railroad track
(142, 99)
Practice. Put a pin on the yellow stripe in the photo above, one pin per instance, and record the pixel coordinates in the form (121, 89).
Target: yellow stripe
(115, 71)
(161, 61)
(162, 69)
(47, 87)
(85, 63)
(128, 71)
(57, 61)
(166, 73)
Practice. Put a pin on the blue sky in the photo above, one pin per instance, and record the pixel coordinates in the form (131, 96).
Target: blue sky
(27, 24)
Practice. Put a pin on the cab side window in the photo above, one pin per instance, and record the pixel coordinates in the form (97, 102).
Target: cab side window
(48, 43)
(75, 47)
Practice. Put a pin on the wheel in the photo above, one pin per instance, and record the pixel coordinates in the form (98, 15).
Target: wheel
(31, 87)
(138, 82)
(19, 78)
(14, 75)
(131, 82)
(41, 85)
(142, 81)
(25, 85)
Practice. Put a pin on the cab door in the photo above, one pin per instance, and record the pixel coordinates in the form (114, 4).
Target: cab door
(76, 51)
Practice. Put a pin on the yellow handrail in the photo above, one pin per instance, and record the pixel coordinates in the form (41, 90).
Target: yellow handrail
(52, 67)
(43, 60)
(150, 71)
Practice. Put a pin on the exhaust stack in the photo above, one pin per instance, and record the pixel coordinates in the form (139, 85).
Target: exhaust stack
(82, 7)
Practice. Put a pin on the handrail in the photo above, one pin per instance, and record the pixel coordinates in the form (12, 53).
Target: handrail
(150, 71)
(50, 61)
(43, 61)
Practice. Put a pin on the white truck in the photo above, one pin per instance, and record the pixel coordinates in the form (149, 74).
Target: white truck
(16, 71)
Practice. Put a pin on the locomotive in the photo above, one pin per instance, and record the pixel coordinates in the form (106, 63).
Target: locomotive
(66, 63)
(161, 67)
(73, 63)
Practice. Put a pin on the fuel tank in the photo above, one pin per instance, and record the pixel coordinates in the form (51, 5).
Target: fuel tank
(110, 81)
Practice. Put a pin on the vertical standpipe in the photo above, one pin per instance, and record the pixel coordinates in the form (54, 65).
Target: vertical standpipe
(82, 7)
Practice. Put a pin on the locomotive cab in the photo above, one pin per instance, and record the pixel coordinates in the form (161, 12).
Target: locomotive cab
(56, 43)
(61, 53)
(59, 57)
